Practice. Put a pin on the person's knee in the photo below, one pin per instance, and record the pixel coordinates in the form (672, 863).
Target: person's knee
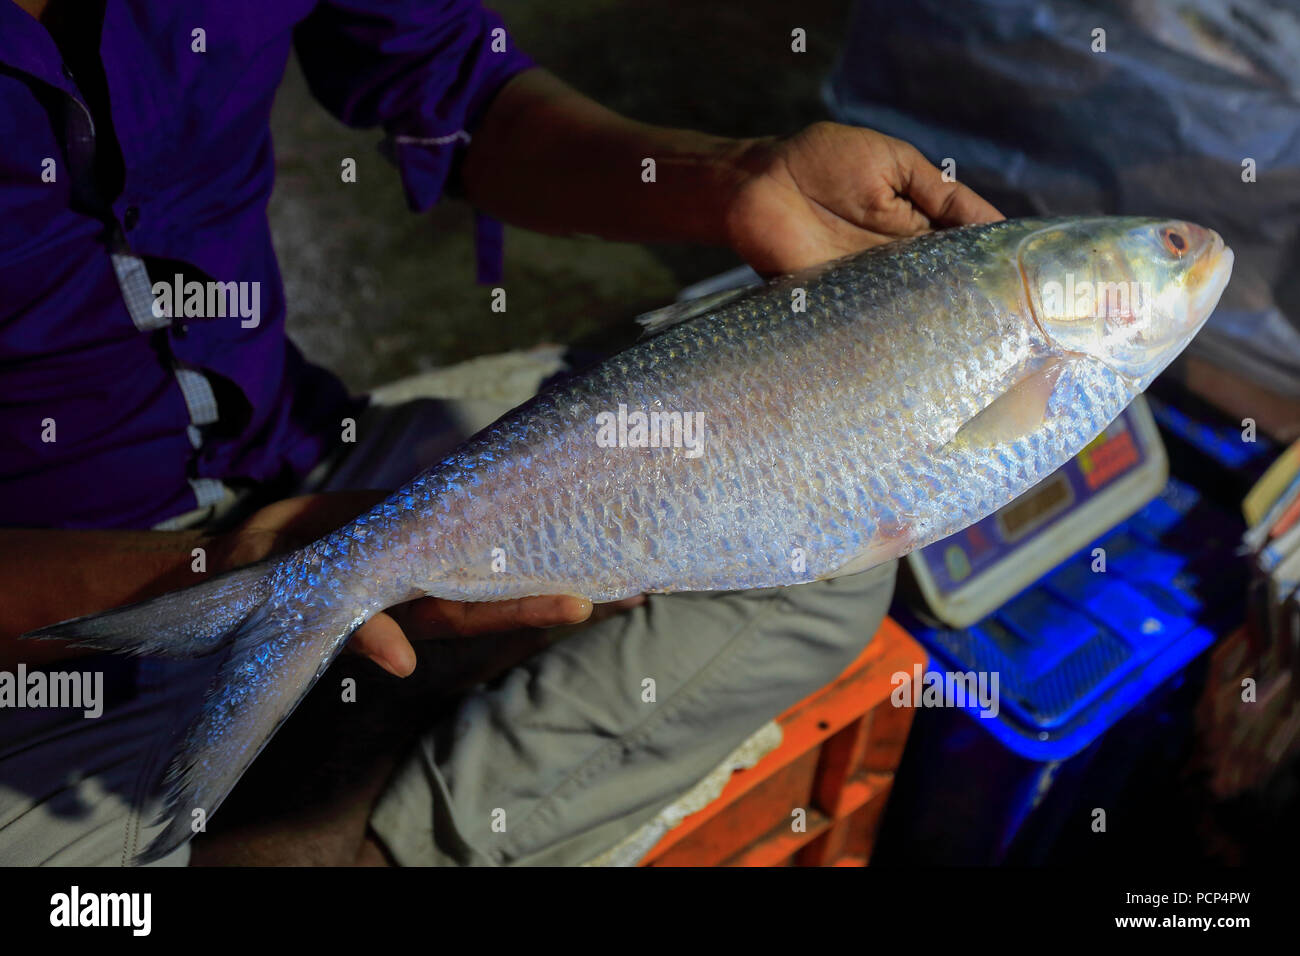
(836, 619)
(800, 637)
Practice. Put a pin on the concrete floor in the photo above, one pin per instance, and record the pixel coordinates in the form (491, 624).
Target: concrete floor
(376, 292)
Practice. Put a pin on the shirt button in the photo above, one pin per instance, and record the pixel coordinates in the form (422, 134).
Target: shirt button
(130, 218)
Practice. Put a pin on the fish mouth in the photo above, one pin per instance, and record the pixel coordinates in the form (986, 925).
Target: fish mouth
(1209, 277)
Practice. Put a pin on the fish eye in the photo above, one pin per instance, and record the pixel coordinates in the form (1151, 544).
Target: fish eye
(1174, 241)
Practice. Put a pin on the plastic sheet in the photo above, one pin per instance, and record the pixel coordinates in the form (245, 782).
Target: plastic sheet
(1159, 123)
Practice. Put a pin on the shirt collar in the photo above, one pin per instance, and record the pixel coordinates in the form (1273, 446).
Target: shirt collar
(28, 46)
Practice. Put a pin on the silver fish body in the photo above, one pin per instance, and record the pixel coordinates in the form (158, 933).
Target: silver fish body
(827, 435)
(843, 417)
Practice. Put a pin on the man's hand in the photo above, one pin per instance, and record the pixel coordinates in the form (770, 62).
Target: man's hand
(386, 637)
(52, 575)
(831, 190)
(782, 204)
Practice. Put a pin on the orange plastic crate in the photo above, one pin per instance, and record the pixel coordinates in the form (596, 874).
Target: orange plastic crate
(836, 763)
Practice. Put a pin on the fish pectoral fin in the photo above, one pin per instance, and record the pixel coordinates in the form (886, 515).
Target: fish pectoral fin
(660, 320)
(1016, 412)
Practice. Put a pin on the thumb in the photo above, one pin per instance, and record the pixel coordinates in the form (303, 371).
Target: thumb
(381, 639)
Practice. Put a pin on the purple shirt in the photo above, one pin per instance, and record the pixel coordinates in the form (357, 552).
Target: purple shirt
(198, 168)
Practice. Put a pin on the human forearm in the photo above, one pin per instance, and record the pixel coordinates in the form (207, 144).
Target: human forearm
(50, 575)
(550, 159)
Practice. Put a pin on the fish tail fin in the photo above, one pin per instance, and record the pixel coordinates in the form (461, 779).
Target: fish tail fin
(274, 660)
(189, 623)
(274, 651)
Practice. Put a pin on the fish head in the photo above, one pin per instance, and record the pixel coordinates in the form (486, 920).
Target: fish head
(1130, 292)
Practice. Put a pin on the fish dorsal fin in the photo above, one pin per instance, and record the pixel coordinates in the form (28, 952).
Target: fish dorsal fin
(660, 320)
(1015, 413)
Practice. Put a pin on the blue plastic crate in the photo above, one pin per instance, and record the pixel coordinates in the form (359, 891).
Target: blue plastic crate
(1080, 648)
(1220, 443)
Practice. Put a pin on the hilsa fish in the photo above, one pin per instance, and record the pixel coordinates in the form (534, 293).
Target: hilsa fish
(844, 416)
